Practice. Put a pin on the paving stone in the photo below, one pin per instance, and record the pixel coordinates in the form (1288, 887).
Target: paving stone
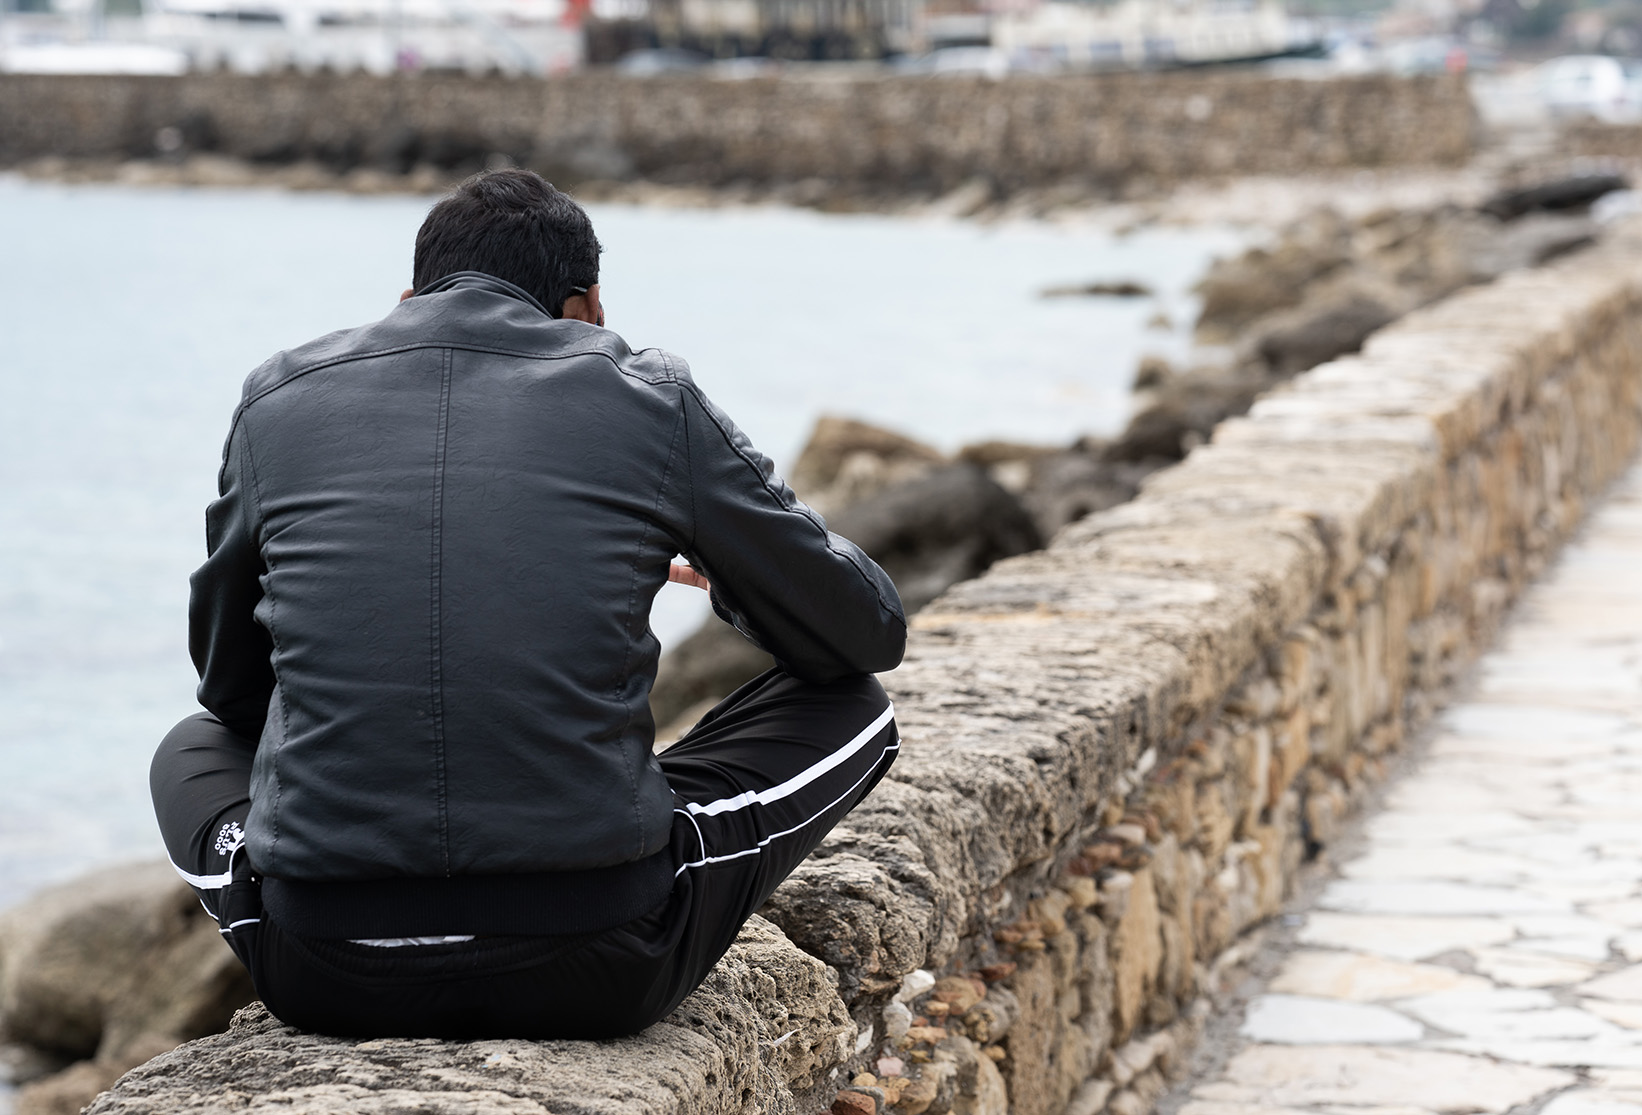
(1617, 1080)
(1442, 861)
(1360, 978)
(1628, 1015)
(1593, 1101)
(1508, 1015)
(1420, 897)
(1437, 825)
(1624, 985)
(1404, 938)
(1552, 1054)
(1525, 969)
(1627, 913)
(1548, 724)
(1303, 1020)
(1573, 948)
(1213, 1107)
(1306, 1076)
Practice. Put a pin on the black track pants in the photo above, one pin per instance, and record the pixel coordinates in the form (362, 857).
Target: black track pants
(757, 784)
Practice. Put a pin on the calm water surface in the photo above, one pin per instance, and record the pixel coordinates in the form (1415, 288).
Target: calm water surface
(128, 319)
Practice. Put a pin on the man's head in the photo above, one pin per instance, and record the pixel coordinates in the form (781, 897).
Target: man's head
(514, 225)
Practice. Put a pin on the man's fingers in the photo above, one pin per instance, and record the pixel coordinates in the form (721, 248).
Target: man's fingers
(685, 575)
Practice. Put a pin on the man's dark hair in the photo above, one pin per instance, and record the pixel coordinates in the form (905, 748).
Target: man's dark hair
(514, 225)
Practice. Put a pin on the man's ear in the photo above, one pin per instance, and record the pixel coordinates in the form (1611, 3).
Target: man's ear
(408, 292)
(584, 307)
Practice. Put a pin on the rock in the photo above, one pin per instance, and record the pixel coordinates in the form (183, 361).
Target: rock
(1238, 292)
(66, 1092)
(1576, 192)
(928, 533)
(1184, 413)
(20, 1064)
(990, 1019)
(890, 1066)
(916, 1097)
(854, 1102)
(1121, 288)
(958, 992)
(1065, 486)
(112, 969)
(1529, 242)
(703, 669)
(1317, 334)
(944, 527)
(846, 460)
(916, 983)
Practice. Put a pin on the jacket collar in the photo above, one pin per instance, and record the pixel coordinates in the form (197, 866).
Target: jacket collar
(478, 280)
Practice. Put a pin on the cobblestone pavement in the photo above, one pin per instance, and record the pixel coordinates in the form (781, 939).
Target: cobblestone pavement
(1484, 951)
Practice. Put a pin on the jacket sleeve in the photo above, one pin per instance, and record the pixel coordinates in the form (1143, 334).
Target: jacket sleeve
(231, 650)
(812, 599)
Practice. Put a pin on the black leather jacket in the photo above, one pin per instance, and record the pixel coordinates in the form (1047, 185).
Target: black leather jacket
(428, 591)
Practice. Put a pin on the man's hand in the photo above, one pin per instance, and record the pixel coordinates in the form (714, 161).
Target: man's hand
(685, 575)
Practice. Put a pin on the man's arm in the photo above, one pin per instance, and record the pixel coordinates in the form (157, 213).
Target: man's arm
(231, 650)
(812, 599)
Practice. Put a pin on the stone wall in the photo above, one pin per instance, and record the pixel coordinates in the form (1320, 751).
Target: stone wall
(1117, 753)
(870, 134)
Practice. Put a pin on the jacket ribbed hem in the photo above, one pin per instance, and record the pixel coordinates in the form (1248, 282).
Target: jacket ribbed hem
(545, 903)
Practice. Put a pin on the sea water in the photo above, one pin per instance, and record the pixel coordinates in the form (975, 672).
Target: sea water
(129, 318)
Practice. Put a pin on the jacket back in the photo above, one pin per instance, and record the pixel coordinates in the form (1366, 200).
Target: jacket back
(429, 583)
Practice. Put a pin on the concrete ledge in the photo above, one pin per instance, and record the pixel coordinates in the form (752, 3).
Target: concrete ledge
(1117, 752)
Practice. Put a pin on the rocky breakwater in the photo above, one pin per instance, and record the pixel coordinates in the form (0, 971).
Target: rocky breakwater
(1117, 751)
(822, 137)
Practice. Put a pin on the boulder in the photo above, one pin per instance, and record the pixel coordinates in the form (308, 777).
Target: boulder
(1238, 292)
(846, 460)
(1527, 242)
(1063, 487)
(944, 527)
(1184, 411)
(1317, 334)
(107, 971)
(928, 533)
(1558, 195)
(702, 669)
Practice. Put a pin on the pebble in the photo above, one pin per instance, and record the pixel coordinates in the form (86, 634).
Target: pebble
(852, 1102)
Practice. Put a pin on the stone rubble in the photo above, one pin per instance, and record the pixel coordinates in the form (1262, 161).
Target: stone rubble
(1523, 899)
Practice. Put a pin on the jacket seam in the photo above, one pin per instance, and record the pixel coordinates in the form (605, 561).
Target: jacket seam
(764, 482)
(253, 533)
(435, 607)
(627, 649)
(527, 354)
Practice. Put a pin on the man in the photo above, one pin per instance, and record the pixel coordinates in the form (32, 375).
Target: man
(422, 799)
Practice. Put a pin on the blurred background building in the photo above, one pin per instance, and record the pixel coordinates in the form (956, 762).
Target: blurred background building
(1547, 57)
